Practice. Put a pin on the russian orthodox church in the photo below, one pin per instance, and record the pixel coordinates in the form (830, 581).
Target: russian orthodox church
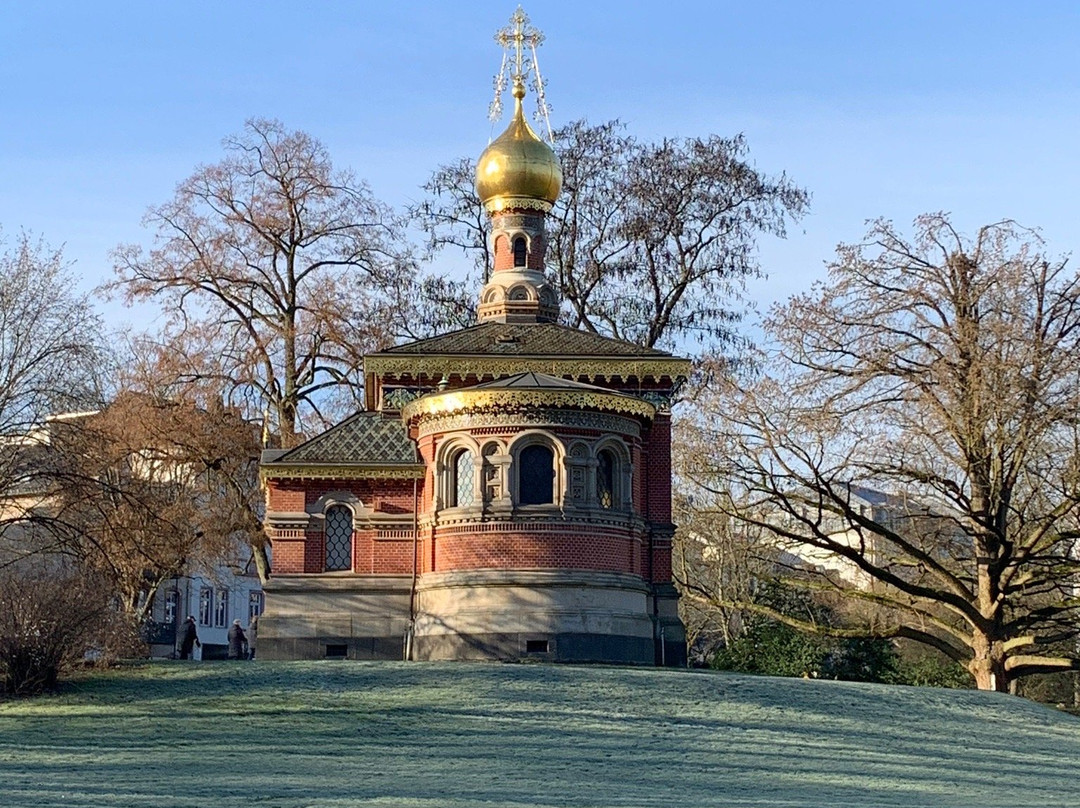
(506, 494)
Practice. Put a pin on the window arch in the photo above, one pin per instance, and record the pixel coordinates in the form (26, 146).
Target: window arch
(521, 251)
(462, 483)
(536, 475)
(606, 468)
(339, 532)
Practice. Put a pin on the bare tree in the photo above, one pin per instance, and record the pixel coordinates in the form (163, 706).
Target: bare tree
(277, 273)
(649, 242)
(150, 488)
(942, 371)
(50, 351)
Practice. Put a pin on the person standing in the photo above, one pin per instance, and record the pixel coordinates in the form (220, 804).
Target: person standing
(189, 638)
(253, 630)
(237, 640)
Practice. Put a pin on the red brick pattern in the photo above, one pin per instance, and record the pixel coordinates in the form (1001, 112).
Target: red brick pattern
(524, 549)
(657, 470)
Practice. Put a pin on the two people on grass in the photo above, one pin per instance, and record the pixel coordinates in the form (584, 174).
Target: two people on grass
(239, 645)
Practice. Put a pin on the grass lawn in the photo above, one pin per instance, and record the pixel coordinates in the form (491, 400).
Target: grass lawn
(342, 733)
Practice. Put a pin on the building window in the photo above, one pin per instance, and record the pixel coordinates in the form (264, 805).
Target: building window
(520, 251)
(339, 530)
(206, 606)
(172, 604)
(536, 475)
(255, 605)
(221, 609)
(463, 485)
(605, 479)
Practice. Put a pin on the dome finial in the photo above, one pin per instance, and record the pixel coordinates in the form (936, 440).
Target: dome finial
(518, 170)
(519, 42)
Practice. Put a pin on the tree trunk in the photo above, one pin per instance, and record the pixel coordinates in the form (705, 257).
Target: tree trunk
(262, 561)
(988, 663)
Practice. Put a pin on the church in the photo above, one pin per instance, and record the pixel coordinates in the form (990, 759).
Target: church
(506, 493)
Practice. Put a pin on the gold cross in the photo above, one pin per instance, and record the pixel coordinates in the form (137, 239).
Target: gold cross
(519, 35)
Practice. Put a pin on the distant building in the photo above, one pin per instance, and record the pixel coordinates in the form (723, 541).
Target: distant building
(507, 494)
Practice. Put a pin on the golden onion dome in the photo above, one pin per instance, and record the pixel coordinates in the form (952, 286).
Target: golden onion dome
(518, 169)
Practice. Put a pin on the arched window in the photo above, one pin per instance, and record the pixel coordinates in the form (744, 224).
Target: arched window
(536, 475)
(605, 479)
(339, 530)
(520, 251)
(462, 485)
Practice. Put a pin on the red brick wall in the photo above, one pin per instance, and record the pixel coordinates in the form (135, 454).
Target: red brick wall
(546, 549)
(288, 555)
(372, 551)
(504, 252)
(657, 467)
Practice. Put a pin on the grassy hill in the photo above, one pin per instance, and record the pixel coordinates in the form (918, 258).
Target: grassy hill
(390, 734)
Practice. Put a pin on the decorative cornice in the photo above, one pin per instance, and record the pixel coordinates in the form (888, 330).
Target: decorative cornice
(335, 471)
(605, 367)
(502, 400)
(601, 422)
(500, 203)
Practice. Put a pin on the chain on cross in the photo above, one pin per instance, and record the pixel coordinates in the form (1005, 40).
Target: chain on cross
(519, 42)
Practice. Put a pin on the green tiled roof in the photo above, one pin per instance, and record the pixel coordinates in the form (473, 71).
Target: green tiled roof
(367, 438)
(525, 339)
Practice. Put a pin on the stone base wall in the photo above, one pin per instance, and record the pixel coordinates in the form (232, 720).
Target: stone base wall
(549, 616)
(334, 615)
(557, 616)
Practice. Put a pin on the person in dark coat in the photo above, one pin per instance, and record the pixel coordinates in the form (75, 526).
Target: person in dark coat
(237, 641)
(189, 638)
(253, 631)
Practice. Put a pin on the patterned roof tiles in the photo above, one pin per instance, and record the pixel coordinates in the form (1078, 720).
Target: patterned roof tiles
(525, 339)
(367, 438)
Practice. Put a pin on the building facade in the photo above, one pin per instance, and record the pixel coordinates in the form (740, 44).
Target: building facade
(507, 492)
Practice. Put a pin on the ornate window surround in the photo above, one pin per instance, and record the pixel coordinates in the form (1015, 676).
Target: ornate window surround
(361, 515)
(533, 437)
(445, 473)
(622, 473)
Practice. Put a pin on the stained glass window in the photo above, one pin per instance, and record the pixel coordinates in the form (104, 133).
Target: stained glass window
(463, 479)
(339, 530)
(605, 479)
(536, 475)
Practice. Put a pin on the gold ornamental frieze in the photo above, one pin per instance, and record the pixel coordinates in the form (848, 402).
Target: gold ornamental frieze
(593, 421)
(509, 400)
(604, 367)
(301, 471)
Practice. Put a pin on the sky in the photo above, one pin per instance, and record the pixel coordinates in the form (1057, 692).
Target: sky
(877, 108)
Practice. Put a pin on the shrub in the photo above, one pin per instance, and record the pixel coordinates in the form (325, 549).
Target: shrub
(772, 648)
(50, 617)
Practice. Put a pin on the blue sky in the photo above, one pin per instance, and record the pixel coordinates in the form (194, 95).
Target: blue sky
(879, 109)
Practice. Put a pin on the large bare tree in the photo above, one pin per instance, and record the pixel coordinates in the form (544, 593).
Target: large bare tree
(942, 372)
(648, 242)
(50, 354)
(277, 273)
(150, 488)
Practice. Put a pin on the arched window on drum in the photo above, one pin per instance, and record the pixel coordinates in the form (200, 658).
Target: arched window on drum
(536, 475)
(463, 479)
(606, 481)
(339, 533)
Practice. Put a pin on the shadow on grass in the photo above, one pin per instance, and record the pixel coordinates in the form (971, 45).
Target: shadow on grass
(347, 733)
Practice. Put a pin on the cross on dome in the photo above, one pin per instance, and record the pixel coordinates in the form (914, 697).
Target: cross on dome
(519, 42)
